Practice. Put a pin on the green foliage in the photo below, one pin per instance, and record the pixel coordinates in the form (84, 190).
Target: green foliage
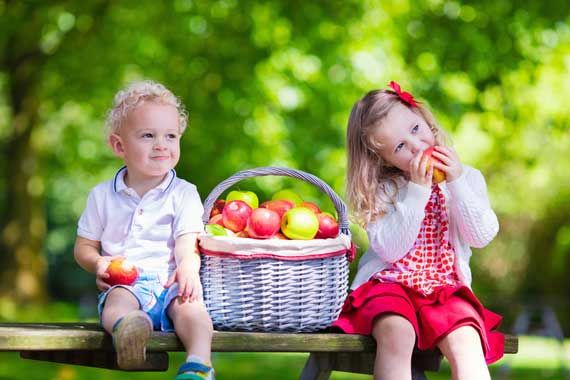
(272, 83)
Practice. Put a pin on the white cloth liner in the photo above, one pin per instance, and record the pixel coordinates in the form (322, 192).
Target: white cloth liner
(285, 249)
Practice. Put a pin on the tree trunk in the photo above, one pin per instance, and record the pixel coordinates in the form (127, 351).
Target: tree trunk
(22, 226)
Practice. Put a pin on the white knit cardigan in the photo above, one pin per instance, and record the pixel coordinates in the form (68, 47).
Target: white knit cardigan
(472, 223)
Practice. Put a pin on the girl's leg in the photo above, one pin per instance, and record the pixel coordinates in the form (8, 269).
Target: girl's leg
(193, 327)
(395, 340)
(119, 302)
(462, 348)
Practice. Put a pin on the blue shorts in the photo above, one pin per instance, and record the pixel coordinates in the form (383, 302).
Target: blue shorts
(153, 298)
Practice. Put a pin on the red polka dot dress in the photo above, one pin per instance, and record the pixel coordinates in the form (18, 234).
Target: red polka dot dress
(430, 263)
(424, 288)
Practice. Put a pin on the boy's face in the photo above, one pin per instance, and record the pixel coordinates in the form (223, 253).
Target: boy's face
(149, 140)
(403, 134)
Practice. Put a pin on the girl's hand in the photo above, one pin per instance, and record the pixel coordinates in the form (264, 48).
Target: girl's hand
(450, 163)
(188, 279)
(100, 271)
(420, 171)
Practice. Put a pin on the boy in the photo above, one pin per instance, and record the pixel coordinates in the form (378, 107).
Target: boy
(151, 217)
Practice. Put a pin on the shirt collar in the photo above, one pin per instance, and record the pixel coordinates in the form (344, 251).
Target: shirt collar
(120, 185)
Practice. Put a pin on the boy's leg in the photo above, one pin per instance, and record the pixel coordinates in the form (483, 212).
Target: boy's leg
(395, 340)
(129, 326)
(193, 327)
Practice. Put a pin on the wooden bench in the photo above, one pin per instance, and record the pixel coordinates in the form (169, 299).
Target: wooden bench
(87, 344)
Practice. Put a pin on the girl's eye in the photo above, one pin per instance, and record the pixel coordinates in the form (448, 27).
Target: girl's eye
(147, 135)
(415, 128)
(172, 136)
(399, 147)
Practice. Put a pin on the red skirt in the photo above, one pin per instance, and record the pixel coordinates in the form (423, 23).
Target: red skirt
(433, 317)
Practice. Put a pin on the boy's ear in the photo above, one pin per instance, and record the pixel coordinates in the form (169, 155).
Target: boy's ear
(116, 144)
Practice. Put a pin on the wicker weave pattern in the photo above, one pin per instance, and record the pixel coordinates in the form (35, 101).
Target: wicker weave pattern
(272, 294)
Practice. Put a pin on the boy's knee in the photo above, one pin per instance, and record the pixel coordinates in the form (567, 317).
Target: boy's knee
(192, 314)
(121, 296)
(394, 332)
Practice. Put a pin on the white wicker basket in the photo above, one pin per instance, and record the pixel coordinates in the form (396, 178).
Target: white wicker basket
(275, 285)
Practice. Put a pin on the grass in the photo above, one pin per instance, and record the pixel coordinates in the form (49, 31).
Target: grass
(539, 358)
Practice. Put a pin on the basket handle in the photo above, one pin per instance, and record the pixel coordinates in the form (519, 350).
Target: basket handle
(279, 171)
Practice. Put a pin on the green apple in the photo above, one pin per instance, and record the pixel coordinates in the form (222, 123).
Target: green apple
(300, 223)
(248, 197)
(360, 240)
(216, 230)
(288, 194)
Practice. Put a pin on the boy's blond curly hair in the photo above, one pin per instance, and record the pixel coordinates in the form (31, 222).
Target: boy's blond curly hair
(128, 99)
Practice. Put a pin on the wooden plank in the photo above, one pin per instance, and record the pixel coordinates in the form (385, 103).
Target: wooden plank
(90, 336)
(155, 361)
(317, 367)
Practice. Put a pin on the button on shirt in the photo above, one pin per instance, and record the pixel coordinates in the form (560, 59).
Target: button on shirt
(142, 229)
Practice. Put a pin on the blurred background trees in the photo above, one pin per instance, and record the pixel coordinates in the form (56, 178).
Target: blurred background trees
(272, 83)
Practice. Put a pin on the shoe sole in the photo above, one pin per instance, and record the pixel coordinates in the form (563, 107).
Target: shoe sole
(130, 340)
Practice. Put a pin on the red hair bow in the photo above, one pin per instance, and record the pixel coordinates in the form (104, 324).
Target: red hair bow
(405, 96)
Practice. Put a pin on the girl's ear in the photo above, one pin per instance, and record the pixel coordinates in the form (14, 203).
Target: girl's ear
(116, 143)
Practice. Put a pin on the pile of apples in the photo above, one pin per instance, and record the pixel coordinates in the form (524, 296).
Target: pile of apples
(285, 216)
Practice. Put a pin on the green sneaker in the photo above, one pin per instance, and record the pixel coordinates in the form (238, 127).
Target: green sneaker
(195, 371)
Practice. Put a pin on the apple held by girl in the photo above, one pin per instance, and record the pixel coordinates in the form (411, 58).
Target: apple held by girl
(285, 216)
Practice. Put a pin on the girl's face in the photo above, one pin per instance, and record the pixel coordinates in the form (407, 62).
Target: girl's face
(149, 140)
(402, 135)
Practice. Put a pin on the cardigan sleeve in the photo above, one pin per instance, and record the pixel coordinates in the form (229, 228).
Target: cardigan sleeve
(471, 209)
(393, 235)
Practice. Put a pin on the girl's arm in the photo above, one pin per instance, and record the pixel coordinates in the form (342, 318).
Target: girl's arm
(471, 209)
(394, 234)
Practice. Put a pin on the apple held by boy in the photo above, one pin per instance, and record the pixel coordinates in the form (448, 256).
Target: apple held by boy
(235, 215)
(248, 197)
(438, 175)
(263, 223)
(280, 206)
(121, 272)
(300, 223)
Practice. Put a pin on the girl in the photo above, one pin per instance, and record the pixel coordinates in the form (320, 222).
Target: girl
(413, 284)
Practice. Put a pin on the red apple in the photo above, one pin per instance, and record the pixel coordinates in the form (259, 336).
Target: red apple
(248, 197)
(242, 234)
(279, 236)
(218, 207)
(438, 175)
(311, 205)
(300, 223)
(263, 223)
(328, 226)
(281, 206)
(217, 219)
(121, 272)
(235, 215)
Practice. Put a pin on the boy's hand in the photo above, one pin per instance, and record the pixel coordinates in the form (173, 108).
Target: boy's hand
(421, 172)
(188, 279)
(450, 163)
(100, 271)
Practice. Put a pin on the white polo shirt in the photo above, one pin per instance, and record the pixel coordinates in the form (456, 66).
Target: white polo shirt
(142, 229)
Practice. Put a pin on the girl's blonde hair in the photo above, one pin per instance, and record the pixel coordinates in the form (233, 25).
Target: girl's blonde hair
(128, 99)
(372, 184)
